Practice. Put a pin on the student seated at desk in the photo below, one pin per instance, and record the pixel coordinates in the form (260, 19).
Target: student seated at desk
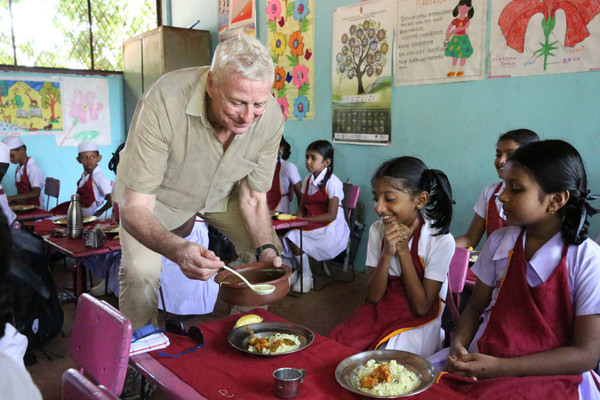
(93, 187)
(408, 255)
(531, 326)
(29, 177)
(489, 215)
(286, 181)
(4, 160)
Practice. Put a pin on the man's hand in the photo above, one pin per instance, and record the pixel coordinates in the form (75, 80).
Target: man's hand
(270, 256)
(196, 261)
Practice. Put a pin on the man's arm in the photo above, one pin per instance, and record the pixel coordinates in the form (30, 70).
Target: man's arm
(137, 217)
(255, 212)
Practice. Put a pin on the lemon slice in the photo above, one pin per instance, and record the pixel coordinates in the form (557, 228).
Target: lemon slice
(248, 319)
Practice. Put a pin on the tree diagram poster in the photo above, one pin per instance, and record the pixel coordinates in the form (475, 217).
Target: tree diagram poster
(544, 37)
(440, 41)
(290, 37)
(362, 72)
(30, 107)
(86, 114)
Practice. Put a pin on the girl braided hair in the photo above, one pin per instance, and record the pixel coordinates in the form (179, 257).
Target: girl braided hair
(411, 175)
(557, 166)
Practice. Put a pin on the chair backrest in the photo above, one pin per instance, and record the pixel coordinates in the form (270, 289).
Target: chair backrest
(350, 202)
(75, 386)
(100, 342)
(459, 266)
(51, 189)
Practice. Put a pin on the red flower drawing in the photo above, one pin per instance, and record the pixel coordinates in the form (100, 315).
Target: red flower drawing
(515, 17)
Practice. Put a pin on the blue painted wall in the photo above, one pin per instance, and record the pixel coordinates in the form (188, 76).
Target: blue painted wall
(60, 162)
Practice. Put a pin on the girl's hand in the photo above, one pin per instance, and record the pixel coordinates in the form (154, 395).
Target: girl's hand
(391, 236)
(406, 232)
(475, 366)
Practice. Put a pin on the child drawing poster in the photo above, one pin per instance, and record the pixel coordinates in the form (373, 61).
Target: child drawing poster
(223, 15)
(362, 72)
(543, 37)
(241, 12)
(86, 114)
(30, 107)
(439, 41)
(290, 37)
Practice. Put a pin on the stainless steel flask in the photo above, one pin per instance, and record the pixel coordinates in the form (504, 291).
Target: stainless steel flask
(74, 218)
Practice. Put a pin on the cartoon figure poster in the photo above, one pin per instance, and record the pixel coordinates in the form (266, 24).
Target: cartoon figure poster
(86, 114)
(439, 41)
(362, 72)
(290, 37)
(543, 37)
(30, 107)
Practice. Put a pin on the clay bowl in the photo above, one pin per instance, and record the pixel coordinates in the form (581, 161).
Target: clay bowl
(233, 291)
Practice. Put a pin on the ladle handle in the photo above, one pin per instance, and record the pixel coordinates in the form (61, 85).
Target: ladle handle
(238, 274)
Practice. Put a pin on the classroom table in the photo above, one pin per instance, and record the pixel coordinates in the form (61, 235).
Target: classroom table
(36, 213)
(218, 370)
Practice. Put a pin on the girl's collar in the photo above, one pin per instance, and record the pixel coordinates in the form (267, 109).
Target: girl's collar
(316, 181)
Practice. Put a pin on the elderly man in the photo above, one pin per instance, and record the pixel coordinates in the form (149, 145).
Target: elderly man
(202, 141)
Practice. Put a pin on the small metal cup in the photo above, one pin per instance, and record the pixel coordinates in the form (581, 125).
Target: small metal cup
(94, 238)
(287, 382)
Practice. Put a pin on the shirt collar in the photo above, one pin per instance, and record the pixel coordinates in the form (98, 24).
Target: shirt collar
(197, 104)
(317, 181)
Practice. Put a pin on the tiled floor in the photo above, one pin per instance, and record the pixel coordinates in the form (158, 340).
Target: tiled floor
(318, 310)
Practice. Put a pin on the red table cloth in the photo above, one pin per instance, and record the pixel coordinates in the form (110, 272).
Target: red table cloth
(218, 370)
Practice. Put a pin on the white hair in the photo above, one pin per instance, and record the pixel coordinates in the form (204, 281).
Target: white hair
(245, 55)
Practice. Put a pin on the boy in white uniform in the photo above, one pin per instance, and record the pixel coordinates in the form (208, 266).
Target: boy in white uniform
(29, 177)
(4, 161)
(93, 187)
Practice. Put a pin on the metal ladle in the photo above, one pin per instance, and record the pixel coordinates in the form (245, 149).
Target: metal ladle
(262, 289)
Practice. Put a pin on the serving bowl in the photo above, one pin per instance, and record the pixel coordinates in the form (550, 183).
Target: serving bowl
(235, 292)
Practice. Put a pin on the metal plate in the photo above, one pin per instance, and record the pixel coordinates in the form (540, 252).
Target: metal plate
(22, 207)
(349, 368)
(63, 221)
(239, 337)
(110, 229)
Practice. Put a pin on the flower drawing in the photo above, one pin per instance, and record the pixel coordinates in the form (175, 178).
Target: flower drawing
(278, 44)
(279, 80)
(300, 9)
(300, 75)
(300, 107)
(295, 43)
(283, 104)
(84, 106)
(515, 17)
(273, 10)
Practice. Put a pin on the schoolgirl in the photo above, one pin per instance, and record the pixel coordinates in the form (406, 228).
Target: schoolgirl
(408, 256)
(327, 233)
(286, 181)
(489, 215)
(531, 325)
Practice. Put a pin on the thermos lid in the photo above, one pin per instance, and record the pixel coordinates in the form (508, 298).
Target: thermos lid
(75, 196)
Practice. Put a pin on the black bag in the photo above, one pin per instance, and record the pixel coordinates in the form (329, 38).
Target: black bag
(36, 310)
(220, 245)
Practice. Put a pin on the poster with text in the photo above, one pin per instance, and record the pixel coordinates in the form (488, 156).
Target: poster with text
(290, 38)
(86, 113)
(362, 72)
(30, 107)
(439, 41)
(543, 37)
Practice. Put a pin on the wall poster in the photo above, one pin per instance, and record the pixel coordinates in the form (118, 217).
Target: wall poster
(362, 72)
(543, 37)
(290, 37)
(439, 41)
(236, 16)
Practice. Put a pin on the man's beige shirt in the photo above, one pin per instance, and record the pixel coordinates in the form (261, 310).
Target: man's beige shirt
(173, 151)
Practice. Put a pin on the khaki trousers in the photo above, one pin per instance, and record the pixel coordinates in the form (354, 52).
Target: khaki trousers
(139, 273)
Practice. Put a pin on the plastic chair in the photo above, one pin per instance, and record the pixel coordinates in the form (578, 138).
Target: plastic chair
(75, 386)
(100, 342)
(349, 203)
(457, 273)
(51, 189)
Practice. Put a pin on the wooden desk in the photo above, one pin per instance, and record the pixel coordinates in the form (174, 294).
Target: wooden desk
(36, 213)
(219, 371)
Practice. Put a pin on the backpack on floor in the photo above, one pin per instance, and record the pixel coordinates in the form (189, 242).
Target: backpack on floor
(36, 310)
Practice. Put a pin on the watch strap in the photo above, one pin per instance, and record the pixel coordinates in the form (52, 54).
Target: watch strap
(260, 249)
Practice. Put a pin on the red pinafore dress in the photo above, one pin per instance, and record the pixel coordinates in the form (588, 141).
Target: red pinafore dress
(315, 204)
(525, 320)
(86, 192)
(493, 220)
(274, 195)
(24, 186)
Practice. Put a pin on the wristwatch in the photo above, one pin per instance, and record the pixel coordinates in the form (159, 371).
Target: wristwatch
(260, 249)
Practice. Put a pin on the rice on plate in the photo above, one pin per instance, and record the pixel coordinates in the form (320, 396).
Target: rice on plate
(274, 344)
(385, 379)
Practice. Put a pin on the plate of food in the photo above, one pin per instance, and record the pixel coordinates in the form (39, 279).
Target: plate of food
(110, 229)
(22, 207)
(385, 374)
(63, 221)
(271, 338)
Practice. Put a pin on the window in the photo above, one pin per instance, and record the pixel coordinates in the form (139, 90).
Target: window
(72, 34)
